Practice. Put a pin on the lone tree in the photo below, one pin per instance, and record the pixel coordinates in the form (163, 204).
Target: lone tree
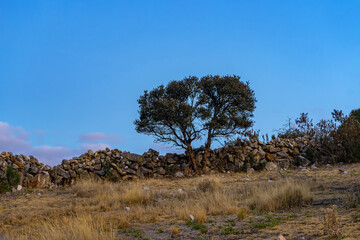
(227, 106)
(185, 110)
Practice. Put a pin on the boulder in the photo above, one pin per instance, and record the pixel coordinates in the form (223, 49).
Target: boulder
(271, 166)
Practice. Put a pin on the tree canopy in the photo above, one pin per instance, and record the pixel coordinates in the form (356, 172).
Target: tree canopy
(185, 110)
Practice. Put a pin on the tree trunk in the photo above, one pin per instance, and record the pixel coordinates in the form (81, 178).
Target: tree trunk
(207, 146)
(190, 153)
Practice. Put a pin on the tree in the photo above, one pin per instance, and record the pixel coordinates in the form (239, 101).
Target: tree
(227, 106)
(169, 114)
(355, 114)
(185, 110)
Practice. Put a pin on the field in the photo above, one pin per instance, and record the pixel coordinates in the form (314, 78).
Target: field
(320, 203)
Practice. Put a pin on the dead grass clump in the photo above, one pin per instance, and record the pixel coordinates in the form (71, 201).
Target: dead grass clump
(199, 215)
(219, 202)
(330, 221)
(119, 221)
(281, 195)
(90, 188)
(80, 228)
(209, 185)
(242, 212)
(174, 230)
(135, 195)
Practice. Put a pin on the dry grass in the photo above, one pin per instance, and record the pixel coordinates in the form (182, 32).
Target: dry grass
(281, 195)
(99, 208)
(83, 227)
(331, 221)
(174, 230)
(241, 213)
(209, 185)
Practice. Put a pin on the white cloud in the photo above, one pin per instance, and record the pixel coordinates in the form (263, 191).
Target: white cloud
(100, 137)
(16, 140)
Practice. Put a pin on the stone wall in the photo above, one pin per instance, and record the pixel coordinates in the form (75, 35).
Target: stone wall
(118, 165)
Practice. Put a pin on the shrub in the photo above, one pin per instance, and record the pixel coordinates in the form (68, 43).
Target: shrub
(12, 176)
(330, 221)
(282, 195)
(12, 179)
(336, 140)
(209, 185)
(174, 230)
(241, 213)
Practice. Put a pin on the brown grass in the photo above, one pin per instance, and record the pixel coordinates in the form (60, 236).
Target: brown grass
(98, 208)
(281, 195)
(83, 227)
(174, 230)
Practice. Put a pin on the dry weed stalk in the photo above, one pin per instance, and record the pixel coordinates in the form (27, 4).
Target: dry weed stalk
(330, 221)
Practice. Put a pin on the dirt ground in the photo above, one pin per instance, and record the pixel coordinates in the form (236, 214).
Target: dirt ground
(336, 185)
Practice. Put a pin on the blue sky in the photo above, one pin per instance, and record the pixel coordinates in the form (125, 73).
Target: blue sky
(71, 71)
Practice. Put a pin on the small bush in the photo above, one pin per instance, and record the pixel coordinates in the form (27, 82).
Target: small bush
(11, 180)
(209, 185)
(330, 221)
(242, 212)
(174, 230)
(283, 195)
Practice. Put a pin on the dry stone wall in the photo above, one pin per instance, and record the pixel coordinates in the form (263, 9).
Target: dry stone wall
(117, 165)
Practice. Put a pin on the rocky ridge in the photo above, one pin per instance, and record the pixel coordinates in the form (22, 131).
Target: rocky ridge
(117, 165)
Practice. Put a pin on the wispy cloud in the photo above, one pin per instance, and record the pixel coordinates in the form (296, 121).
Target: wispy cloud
(100, 137)
(16, 140)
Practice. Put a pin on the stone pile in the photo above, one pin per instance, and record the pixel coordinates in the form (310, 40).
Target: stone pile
(119, 165)
(32, 173)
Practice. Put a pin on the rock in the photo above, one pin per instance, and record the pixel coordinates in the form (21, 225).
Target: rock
(179, 174)
(131, 171)
(281, 237)
(171, 161)
(19, 187)
(97, 167)
(100, 172)
(274, 149)
(250, 170)
(270, 166)
(261, 153)
(270, 157)
(134, 166)
(65, 162)
(283, 163)
(66, 167)
(296, 151)
(41, 180)
(282, 154)
(33, 170)
(304, 162)
(47, 168)
(162, 171)
(191, 217)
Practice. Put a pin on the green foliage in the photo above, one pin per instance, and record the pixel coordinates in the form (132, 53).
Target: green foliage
(12, 176)
(226, 106)
(11, 179)
(355, 114)
(196, 226)
(185, 110)
(109, 172)
(337, 140)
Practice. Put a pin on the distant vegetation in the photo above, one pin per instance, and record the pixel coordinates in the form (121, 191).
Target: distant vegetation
(188, 109)
(10, 180)
(337, 139)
